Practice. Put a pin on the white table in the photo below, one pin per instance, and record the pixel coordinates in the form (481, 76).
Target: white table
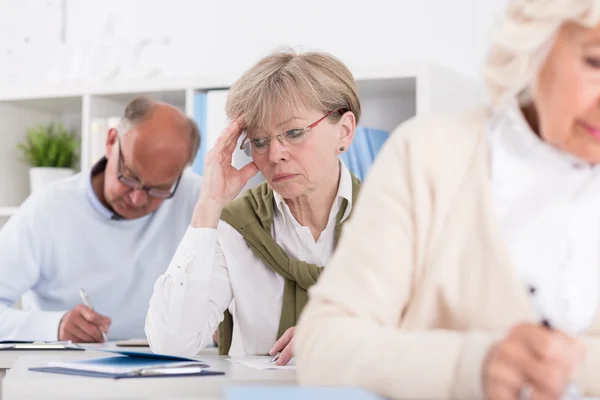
(21, 383)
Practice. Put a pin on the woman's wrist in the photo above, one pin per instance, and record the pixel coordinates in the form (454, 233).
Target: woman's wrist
(206, 214)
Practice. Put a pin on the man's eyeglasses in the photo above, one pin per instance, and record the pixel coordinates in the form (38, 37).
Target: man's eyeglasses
(135, 184)
(292, 137)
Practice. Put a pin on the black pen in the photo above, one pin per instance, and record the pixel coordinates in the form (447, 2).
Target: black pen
(571, 391)
(545, 322)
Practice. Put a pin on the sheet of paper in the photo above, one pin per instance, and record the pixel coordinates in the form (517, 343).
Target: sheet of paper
(133, 343)
(262, 363)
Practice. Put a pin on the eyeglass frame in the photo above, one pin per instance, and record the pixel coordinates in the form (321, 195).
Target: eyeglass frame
(142, 186)
(279, 136)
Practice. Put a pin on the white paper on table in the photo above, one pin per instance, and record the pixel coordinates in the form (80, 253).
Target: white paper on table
(262, 363)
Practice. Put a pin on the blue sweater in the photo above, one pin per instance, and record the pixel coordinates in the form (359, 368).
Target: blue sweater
(58, 242)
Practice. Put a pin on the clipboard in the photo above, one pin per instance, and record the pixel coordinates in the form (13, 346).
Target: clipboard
(8, 345)
(93, 374)
(128, 364)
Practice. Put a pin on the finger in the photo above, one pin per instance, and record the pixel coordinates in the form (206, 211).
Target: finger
(73, 337)
(90, 315)
(282, 342)
(549, 359)
(232, 132)
(498, 391)
(543, 375)
(541, 395)
(106, 326)
(66, 335)
(506, 379)
(287, 354)
(93, 331)
(543, 342)
(80, 335)
(573, 349)
(104, 323)
(95, 318)
(248, 171)
(548, 380)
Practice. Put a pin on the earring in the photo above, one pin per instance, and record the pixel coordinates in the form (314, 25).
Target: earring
(342, 148)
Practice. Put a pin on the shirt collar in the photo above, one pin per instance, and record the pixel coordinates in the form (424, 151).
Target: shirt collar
(98, 168)
(511, 131)
(344, 192)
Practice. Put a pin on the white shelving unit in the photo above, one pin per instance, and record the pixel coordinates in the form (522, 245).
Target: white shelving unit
(7, 211)
(388, 96)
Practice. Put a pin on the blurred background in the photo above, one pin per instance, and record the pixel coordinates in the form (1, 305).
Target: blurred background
(68, 67)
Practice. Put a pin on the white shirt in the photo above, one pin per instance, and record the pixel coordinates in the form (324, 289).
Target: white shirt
(548, 202)
(59, 242)
(214, 269)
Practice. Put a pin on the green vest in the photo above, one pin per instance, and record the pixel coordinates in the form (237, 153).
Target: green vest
(252, 216)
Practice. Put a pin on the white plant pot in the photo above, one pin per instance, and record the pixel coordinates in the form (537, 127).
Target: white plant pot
(43, 175)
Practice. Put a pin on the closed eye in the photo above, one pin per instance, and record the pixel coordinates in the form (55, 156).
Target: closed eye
(295, 133)
(593, 62)
(260, 142)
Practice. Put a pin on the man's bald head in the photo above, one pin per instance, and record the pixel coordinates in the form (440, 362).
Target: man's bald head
(152, 145)
(141, 108)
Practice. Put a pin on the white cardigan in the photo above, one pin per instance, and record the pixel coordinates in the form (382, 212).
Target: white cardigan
(421, 284)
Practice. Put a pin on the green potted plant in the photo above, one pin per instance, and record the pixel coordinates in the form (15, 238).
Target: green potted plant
(51, 152)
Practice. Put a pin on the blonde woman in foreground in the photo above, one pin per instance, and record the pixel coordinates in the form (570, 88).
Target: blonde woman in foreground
(475, 230)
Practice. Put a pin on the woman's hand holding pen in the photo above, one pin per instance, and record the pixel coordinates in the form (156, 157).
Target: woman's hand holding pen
(533, 358)
(83, 325)
(283, 349)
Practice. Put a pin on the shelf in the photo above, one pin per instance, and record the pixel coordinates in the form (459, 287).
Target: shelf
(370, 79)
(174, 97)
(7, 211)
(117, 87)
(56, 105)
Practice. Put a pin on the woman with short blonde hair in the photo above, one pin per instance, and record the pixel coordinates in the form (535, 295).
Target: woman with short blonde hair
(255, 257)
(480, 279)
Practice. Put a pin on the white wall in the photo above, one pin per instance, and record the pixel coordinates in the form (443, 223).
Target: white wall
(69, 40)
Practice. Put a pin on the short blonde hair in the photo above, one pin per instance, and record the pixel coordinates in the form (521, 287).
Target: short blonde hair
(522, 39)
(285, 80)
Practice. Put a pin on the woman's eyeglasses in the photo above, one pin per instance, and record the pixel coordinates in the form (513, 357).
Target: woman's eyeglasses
(291, 137)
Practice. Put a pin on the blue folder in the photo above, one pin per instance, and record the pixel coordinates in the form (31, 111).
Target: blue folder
(134, 361)
(364, 149)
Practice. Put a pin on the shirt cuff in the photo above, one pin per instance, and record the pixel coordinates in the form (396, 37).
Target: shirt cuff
(45, 325)
(470, 368)
(195, 254)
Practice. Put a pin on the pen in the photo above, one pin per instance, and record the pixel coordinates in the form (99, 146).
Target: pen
(545, 322)
(274, 359)
(571, 392)
(86, 300)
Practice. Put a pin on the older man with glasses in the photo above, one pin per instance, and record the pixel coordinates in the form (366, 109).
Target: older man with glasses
(107, 232)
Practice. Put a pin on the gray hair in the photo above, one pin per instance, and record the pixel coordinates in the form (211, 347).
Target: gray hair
(140, 109)
(522, 40)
